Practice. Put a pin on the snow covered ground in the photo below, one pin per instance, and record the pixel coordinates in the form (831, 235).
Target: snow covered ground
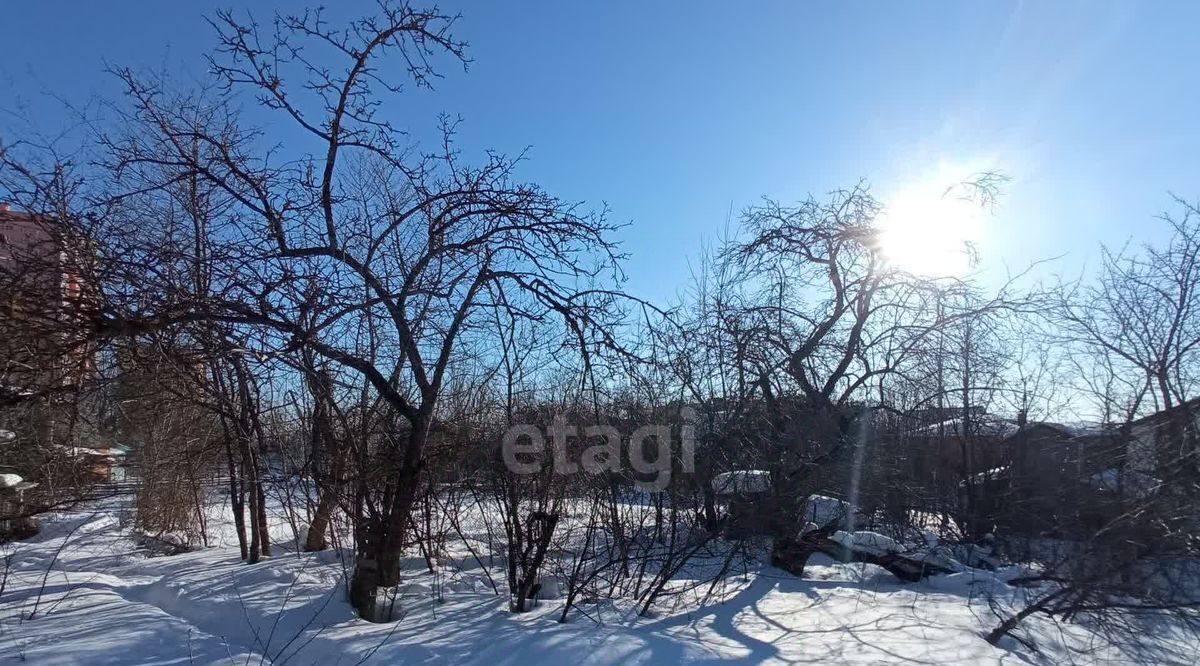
(83, 592)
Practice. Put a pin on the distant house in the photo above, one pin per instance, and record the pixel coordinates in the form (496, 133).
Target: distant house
(42, 257)
(950, 450)
(1048, 485)
(1164, 446)
(45, 293)
(746, 493)
(106, 465)
(43, 274)
(15, 519)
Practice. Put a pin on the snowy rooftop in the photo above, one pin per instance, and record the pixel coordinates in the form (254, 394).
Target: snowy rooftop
(109, 452)
(987, 426)
(742, 481)
(996, 426)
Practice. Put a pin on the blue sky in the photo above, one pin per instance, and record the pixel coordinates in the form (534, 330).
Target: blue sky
(674, 114)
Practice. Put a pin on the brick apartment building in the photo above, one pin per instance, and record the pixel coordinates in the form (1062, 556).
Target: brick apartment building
(43, 293)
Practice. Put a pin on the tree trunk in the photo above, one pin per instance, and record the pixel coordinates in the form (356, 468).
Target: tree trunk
(377, 563)
(236, 500)
(315, 539)
(250, 441)
(328, 459)
(791, 553)
(539, 544)
(264, 537)
(249, 490)
(710, 509)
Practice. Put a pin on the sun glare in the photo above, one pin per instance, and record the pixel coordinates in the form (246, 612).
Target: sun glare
(930, 228)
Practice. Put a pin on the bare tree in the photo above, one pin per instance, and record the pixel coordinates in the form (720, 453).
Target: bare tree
(431, 246)
(1141, 317)
(832, 319)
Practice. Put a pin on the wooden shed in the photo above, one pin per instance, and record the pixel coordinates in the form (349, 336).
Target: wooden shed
(746, 493)
(15, 519)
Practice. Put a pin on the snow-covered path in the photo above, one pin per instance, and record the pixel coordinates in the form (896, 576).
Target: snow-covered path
(105, 603)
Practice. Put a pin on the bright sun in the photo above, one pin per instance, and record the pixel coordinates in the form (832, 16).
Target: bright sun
(929, 228)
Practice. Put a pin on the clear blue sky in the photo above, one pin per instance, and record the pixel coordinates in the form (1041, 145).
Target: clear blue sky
(673, 113)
